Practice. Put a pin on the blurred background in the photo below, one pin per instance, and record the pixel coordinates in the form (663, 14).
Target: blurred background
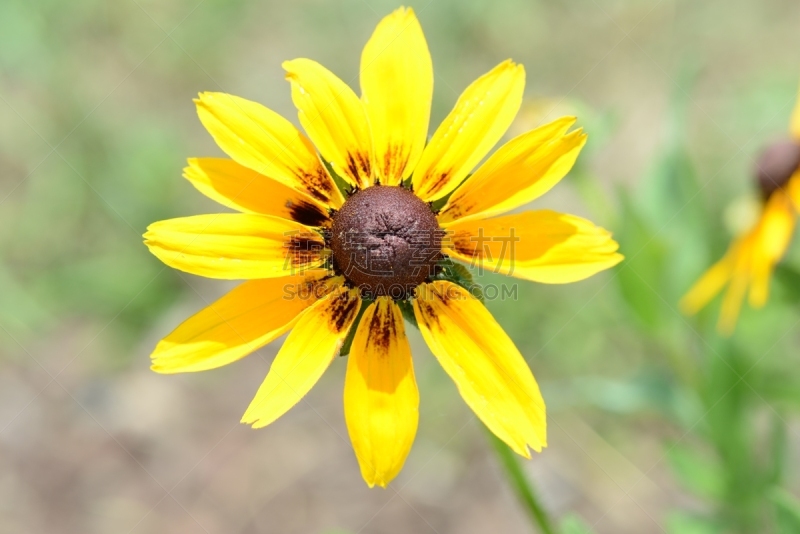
(656, 424)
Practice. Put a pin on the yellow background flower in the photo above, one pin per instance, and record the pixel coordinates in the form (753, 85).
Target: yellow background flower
(751, 259)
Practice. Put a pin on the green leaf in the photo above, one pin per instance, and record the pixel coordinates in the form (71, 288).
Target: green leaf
(700, 473)
(643, 271)
(670, 188)
(683, 523)
(437, 205)
(787, 511)
(778, 387)
(788, 281)
(345, 187)
(348, 341)
(408, 312)
(572, 524)
(460, 275)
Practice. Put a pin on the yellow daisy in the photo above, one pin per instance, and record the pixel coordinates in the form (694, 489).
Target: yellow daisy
(748, 265)
(317, 256)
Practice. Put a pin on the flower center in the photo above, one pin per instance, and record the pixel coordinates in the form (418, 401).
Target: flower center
(776, 165)
(385, 241)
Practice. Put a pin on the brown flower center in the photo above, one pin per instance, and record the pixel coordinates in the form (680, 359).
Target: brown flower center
(385, 241)
(776, 165)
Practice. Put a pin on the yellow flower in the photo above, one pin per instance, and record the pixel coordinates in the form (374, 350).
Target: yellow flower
(748, 265)
(315, 254)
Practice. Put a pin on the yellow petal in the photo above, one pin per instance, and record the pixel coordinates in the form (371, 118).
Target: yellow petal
(488, 370)
(235, 245)
(334, 118)
(381, 401)
(520, 171)
(793, 190)
(759, 284)
(247, 318)
(776, 226)
(543, 246)
(734, 295)
(772, 237)
(749, 262)
(262, 140)
(304, 356)
(794, 125)
(481, 116)
(709, 285)
(397, 87)
(242, 189)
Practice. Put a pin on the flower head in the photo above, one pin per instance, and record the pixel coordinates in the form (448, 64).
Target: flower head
(343, 231)
(751, 258)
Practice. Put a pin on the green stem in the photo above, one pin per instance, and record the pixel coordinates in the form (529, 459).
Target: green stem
(521, 485)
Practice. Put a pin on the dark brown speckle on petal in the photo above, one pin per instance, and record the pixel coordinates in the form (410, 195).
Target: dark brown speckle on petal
(303, 248)
(359, 167)
(382, 329)
(344, 307)
(307, 213)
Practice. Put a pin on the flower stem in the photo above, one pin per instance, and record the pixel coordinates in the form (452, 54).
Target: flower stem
(521, 485)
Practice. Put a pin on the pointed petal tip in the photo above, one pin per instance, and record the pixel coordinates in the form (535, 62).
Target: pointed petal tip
(290, 66)
(535, 445)
(160, 369)
(203, 97)
(376, 480)
(511, 65)
(685, 307)
(160, 363)
(567, 120)
(249, 420)
(402, 13)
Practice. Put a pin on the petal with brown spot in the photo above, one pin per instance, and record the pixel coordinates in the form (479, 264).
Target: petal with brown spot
(381, 401)
(544, 246)
(252, 315)
(488, 370)
(259, 138)
(334, 118)
(479, 119)
(397, 88)
(236, 246)
(240, 188)
(519, 172)
(304, 356)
